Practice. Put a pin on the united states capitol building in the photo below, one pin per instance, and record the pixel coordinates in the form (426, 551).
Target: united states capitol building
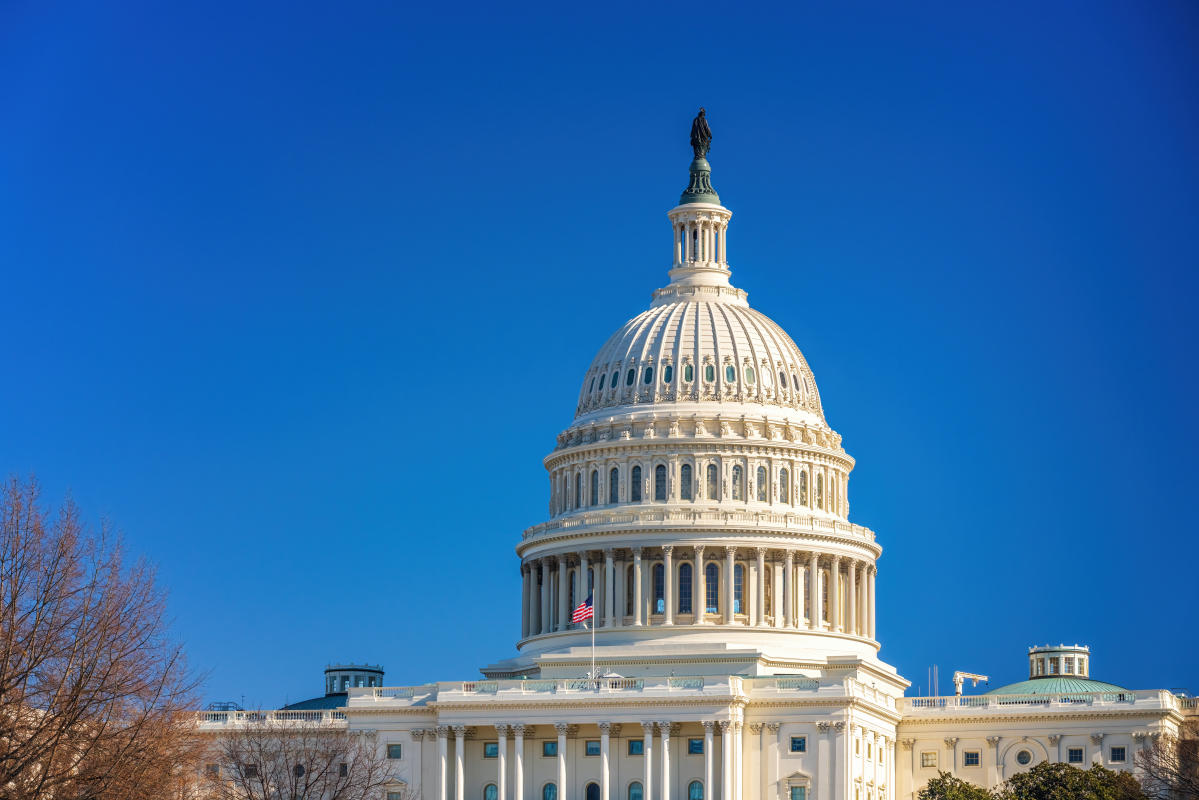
(701, 499)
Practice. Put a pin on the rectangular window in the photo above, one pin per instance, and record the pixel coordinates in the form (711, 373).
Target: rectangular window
(251, 770)
(395, 751)
(799, 793)
(591, 747)
(491, 749)
(549, 749)
(928, 759)
(636, 747)
(857, 747)
(395, 796)
(1118, 755)
(1053, 666)
(869, 751)
(1069, 669)
(1074, 755)
(799, 744)
(695, 747)
(971, 758)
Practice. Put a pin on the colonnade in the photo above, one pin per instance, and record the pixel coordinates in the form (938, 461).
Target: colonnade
(701, 240)
(755, 586)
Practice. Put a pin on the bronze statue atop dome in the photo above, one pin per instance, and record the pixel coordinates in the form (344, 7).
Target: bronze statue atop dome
(701, 135)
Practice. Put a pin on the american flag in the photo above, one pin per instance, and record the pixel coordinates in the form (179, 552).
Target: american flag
(584, 611)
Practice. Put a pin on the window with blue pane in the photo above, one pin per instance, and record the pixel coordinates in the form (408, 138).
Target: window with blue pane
(695, 747)
(592, 747)
(667, 374)
(549, 749)
(685, 482)
(490, 792)
(799, 744)
(613, 485)
(630, 377)
(660, 483)
(712, 588)
(635, 791)
(684, 588)
(738, 589)
(592, 791)
(659, 589)
(635, 486)
(636, 748)
(491, 749)
(595, 487)
(695, 791)
(549, 792)
(799, 793)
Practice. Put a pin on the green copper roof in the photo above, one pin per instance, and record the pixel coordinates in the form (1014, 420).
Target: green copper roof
(1057, 684)
(700, 190)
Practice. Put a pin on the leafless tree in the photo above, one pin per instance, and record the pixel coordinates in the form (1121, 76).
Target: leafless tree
(298, 760)
(92, 690)
(1170, 765)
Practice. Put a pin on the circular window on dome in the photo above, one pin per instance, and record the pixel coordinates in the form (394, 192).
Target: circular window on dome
(667, 373)
(709, 373)
(749, 374)
(628, 379)
(688, 373)
(649, 375)
(1023, 758)
(730, 373)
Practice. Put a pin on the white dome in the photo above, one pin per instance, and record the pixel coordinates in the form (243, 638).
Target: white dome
(695, 350)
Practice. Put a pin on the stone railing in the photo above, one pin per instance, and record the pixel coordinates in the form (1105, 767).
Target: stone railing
(220, 720)
(659, 516)
(1000, 703)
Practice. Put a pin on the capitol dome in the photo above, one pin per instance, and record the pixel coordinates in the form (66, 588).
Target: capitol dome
(698, 498)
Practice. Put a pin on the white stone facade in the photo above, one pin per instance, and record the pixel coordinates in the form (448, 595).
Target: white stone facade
(702, 500)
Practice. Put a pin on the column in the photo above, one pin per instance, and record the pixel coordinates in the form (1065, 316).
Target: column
(609, 595)
(776, 592)
(664, 730)
(678, 254)
(605, 741)
(852, 606)
(502, 767)
(648, 756)
(770, 774)
(758, 731)
(834, 594)
(761, 587)
(788, 588)
(700, 601)
(561, 727)
(637, 587)
(951, 744)
(726, 760)
(459, 763)
(518, 787)
(708, 725)
(668, 585)
(814, 592)
(870, 600)
(875, 752)
(738, 764)
(443, 732)
(730, 555)
(524, 601)
(563, 595)
(544, 613)
(581, 585)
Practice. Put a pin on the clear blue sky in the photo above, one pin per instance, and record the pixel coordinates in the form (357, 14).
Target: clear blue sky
(299, 295)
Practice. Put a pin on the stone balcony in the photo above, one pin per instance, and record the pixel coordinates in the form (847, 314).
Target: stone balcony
(1032, 704)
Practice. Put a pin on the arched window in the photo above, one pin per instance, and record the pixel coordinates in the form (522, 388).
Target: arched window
(591, 388)
(688, 373)
(571, 580)
(614, 485)
(713, 482)
(578, 489)
(738, 589)
(595, 487)
(738, 482)
(749, 375)
(659, 589)
(712, 588)
(601, 386)
(684, 588)
(629, 578)
(660, 483)
(630, 377)
(635, 791)
(782, 381)
(635, 486)
(709, 373)
(694, 244)
(490, 792)
(762, 484)
(649, 376)
(592, 791)
(803, 488)
(730, 373)
(667, 374)
(695, 791)
(549, 792)
(819, 490)
(615, 377)
(784, 486)
(685, 482)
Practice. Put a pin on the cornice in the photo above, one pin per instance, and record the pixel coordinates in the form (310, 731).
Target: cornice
(706, 536)
(1025, 719)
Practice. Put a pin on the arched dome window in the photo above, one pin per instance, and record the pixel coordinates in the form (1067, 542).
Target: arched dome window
(709, 373)
(688, 373)
(635, 791)
(648, 376)
(635, 486)
(667, 374)
(712, 588)
(803, 488)
(684, 588)
(685, 482)
(784, 486)
(762, 484)
(614, 485)
(820, 491)
(660, 483)
(591, 388)
(630, 377)
(659, 582)
(549, 792)
(601, 386)
(490, 792)
(749, 375)
(738, 482)
(738, 589)
(713, 482)
(782, 381)
(629, 579)
(730, 374)
(592, 792)
(795, 380)
(695, 791)
(615, 377)
(595, 487)
(578, 490)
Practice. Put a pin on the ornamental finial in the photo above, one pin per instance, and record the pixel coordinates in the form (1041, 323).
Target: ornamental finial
(699, 189)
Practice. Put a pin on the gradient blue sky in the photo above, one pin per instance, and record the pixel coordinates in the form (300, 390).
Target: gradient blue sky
(299, 295)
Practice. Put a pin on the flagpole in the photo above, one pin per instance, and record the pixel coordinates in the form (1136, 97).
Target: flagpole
(594, 676)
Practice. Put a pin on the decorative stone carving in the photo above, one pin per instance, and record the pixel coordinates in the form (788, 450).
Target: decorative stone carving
(417, 733)
(994, 740)
(519, 729)
(1097, 739)
(1054, 738)
(951, 742)
(755, 727)
(907, 743)
(773, 727)
(443, 731)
